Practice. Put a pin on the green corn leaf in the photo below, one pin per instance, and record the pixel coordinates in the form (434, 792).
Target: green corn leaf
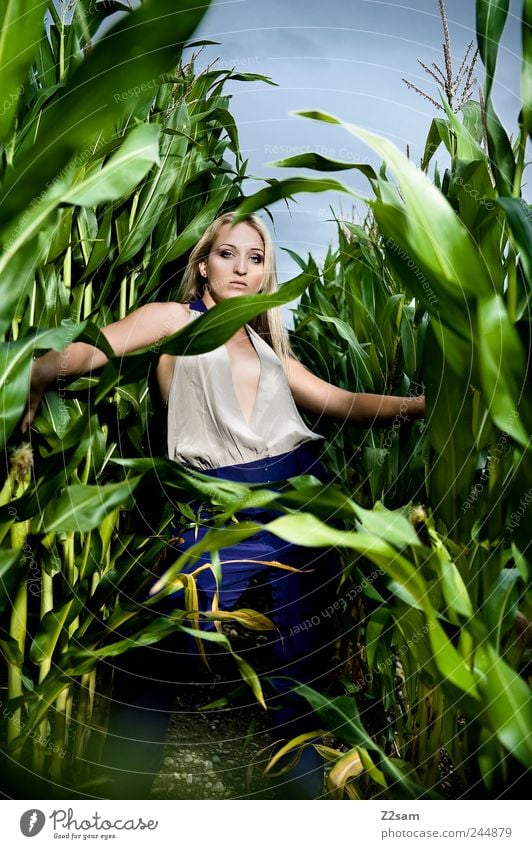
(208, 332)
(123, 171)
(224, 118)
(251, 678)
(450, 662)
(491, 761)
(195, 229)
(155, 195)
(303, 265)
(341, 716)
(63, 459)
(418, 279)
(410, 638)
(252, 78)
(305, 529)
(376, 471)
(246, 670)
(50, 628)
(472, 193)
(502, 364)
(15, 366)
(507, 703)
(202, 42)
(408, 343)
(490, 20)
(81, 508)
(526, 65)
(119, 176)
(467, 147)
(115, 67)
(326, 501)
(76, 661)
(501, 607)
(439, 132)
(453, 587)
(450, 415)
(21, 23)
(283, 190)
(472, 112)
(322, 163)
(375, 774)
(247, 617)
(11, 574)
(519, 216)
(433, 234)
(391, 525)
(100, 250)
(10, 650)
(17, 277)
(376, 624)
(500, 152)
(92, 15)
(356, 350)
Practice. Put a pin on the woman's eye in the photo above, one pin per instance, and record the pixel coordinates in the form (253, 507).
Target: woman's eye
(257, 259)
(225, 254)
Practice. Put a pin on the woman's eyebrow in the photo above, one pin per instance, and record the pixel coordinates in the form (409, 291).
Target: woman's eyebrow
(229, 245)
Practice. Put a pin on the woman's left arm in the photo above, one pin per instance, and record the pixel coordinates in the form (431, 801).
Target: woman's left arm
(359, 408)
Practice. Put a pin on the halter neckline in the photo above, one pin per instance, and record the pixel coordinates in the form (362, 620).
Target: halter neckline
(198, 305)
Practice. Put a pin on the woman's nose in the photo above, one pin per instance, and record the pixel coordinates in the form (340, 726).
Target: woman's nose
(241, 265)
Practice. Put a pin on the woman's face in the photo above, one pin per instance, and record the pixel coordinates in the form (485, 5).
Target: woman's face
(235, 265)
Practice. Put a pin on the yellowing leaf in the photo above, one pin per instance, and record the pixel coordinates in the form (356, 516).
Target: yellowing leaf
(249, 618)
(295, 743)
(348, 766)
(250, 677)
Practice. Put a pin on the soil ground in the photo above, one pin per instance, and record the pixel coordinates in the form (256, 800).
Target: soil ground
(215, 754)
(220, 752)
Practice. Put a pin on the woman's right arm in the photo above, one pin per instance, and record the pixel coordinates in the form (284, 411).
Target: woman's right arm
(144, 327)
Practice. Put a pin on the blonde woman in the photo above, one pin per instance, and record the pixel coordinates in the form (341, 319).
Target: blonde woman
(233, 414)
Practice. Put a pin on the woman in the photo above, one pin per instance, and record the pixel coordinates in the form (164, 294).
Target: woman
(232, 414)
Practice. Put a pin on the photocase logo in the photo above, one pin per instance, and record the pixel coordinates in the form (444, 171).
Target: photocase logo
(32, 822)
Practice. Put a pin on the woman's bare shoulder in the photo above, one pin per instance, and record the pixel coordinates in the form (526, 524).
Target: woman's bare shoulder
(170, 316)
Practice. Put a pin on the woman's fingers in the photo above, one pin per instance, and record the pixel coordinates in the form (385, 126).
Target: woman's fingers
(29, 413)
(25, 422)
(27, 419)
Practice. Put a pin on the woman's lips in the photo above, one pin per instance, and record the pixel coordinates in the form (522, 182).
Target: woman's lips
(239, 284)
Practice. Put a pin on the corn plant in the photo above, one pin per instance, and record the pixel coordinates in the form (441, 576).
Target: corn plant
(102, 197)
(359, 330)
(439, 648)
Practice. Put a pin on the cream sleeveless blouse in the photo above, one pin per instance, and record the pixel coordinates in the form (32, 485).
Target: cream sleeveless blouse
(206, 426)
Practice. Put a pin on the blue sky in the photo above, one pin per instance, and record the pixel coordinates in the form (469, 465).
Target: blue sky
(347, 58)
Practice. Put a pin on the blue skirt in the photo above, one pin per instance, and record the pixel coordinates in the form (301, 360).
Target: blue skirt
(300, 598)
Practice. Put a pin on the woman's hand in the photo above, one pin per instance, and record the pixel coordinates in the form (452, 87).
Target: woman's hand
(43, 372)
(415, 407)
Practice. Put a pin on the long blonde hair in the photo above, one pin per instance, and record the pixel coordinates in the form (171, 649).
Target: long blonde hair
(269, 324)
